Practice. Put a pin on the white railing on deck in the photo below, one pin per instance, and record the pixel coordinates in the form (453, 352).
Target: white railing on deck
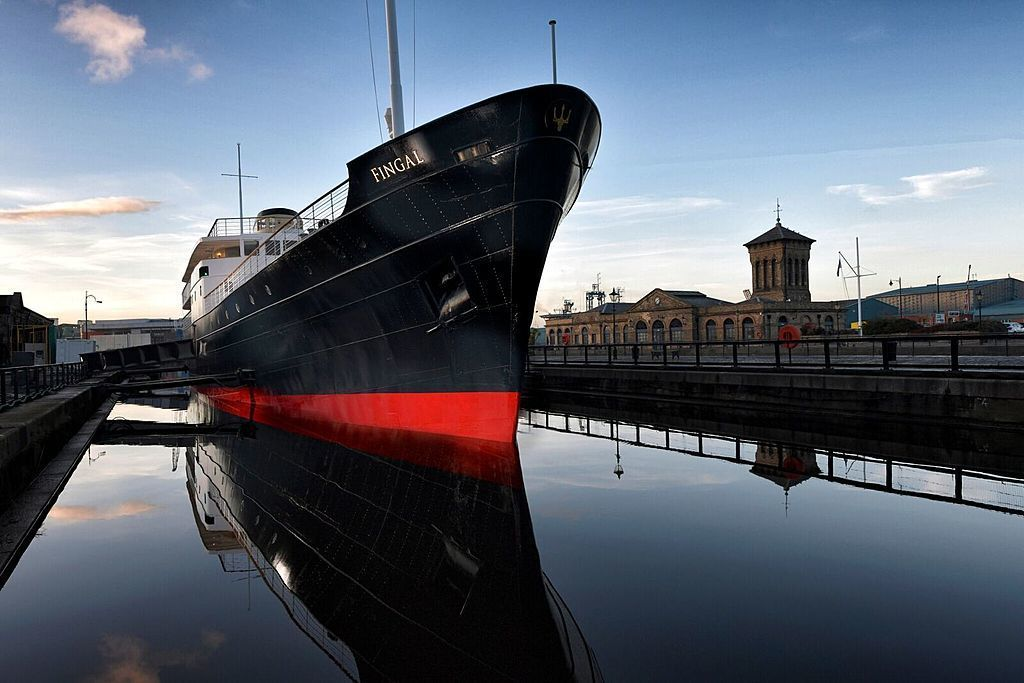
(225, 227)
(320, 213)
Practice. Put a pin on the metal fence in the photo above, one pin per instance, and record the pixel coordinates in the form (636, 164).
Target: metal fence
(921, 352)
(21, 384)
(320, 213)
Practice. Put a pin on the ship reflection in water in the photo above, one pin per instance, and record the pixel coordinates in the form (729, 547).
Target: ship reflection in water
(401, 556)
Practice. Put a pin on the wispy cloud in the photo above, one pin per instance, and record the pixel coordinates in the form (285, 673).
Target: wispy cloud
(71, 514)
(95, 206)
(133, 660)
(925, 187)
(632, 210)
(114, 41)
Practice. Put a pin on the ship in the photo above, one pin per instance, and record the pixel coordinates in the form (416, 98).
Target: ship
(401, 298)
(392, 559)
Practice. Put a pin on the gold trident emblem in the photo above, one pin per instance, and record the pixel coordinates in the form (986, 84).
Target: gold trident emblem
(560, 117)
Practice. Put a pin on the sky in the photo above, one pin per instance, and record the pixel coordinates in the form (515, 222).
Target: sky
(899, 123)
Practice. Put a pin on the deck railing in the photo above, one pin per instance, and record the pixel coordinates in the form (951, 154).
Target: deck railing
(920, 352)
(323, 211)
(21, 384)
(225, 227)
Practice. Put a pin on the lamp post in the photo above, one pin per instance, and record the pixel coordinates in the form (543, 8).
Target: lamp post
(978, 297)
(87, 297)
(937, 299)
(900, 281)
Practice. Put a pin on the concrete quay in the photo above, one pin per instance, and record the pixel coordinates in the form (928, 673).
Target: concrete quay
(32, 433)
(968, 399)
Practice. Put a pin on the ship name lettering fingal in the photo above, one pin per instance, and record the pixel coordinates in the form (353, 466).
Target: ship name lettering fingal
(398, 165)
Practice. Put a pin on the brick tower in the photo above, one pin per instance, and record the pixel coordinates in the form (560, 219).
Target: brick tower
(778, 264)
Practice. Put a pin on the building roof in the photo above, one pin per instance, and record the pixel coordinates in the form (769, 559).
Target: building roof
(949, 287)
(608, 309)
(1013, 307)
(779, 232)
(695, 298)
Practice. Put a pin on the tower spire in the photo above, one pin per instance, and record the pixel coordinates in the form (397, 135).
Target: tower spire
(778, 212)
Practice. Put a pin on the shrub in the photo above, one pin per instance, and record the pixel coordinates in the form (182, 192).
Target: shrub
(891, 326)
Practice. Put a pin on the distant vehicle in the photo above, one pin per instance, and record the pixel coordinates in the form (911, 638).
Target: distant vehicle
(1013, 327)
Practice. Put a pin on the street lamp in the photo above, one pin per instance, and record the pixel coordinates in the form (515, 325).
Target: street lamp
(616, 297)
(87, 297)
(900, 281)
(937, 299)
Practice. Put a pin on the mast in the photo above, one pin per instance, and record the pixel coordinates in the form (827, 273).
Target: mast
(860, 317)
(397, 111)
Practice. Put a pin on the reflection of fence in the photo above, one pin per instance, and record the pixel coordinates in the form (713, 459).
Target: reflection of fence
(947, 483)
(921, 352)
(18, 385)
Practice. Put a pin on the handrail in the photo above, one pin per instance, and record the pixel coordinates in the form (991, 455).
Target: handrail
(919, 352)
(27, 382)
(324, 210)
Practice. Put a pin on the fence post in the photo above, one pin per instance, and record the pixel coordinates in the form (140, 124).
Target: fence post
(954, 354)
(828, 357)
(696, 353)
(3, 388)
(735, 355)
(609, 354)
(664, 354)
(545, 354)
(778, 353)
(586, 355)
(565, 355)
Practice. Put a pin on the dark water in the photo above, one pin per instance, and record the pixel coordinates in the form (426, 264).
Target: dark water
(271, 557)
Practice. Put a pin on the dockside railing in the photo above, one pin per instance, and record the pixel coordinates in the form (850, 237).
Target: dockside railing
(952, 353)
(21, 384)
(323, 211)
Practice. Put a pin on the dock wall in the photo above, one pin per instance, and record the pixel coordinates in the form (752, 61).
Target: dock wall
(32, 433)
(939, 398)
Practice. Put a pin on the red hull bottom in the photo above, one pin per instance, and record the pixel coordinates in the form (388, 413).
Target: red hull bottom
(468, 433)
(483, 415)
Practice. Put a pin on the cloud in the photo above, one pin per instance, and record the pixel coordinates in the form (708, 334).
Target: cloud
(111, 39)
(95, 206)
(925, 187)
(115, 41)
(72, 514)
(637, 209)
(199, 72)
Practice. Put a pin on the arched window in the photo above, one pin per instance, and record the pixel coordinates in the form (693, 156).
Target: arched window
(658, 332)
(829, 325)
(748, 328)
(558, 336)
(757, 275)
(788, 267)
(806, 320)
(773, 272)
(641, 332)
(783, 320)
(710, 331)
(764, 273)
(729, 329)
(586, 338)
(551, 338)
(625, 334)
(606, 335)
(675, 330)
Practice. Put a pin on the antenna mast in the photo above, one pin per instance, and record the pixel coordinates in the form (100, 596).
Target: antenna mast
(240, 176)
(397, 111)
(554, 65)
(858, 275)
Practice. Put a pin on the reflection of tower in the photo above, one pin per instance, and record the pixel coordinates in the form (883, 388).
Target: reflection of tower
(785, 465)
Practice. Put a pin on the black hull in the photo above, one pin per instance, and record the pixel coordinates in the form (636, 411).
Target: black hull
(427, 282)
(401, 571)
